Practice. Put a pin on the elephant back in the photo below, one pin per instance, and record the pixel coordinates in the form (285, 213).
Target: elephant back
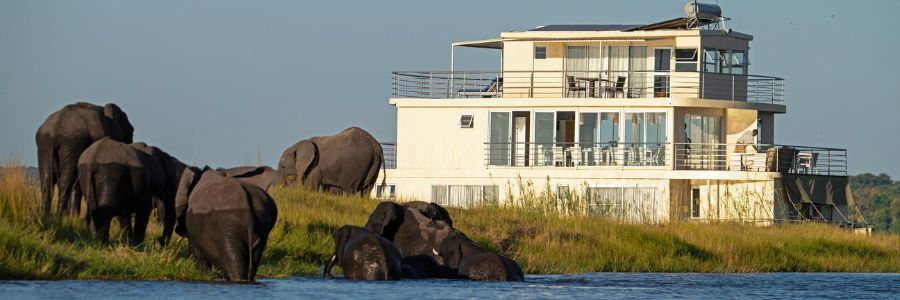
(215, 192)
(107, 151)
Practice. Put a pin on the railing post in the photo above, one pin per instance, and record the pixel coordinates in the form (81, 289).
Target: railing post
(732, 86)
(531, 86)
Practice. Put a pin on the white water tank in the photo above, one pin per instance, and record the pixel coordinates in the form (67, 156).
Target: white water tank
(702, 11)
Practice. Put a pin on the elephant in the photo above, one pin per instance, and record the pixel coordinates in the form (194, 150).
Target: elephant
(121, 179)
(347, 162)
(364, 255)
(417, 229)
(61, 140)
(226, 218)
(469, 260)
(262, 176)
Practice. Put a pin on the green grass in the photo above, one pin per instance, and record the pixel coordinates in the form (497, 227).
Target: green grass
(542, 242)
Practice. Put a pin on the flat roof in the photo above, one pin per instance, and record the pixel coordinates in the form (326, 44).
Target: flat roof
(585, 27)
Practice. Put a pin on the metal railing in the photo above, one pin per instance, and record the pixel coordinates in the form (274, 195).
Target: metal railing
(577, 154)
(587, 84)
(686, 156)
(390, 155)
(761, 158)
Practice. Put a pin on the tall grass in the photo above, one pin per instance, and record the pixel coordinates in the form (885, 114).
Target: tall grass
(32, 247)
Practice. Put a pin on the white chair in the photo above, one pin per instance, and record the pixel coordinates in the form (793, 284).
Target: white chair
(575, 154)
(806, 161)
(559, 158)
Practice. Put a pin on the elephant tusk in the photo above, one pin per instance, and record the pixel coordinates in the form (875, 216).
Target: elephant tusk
(434, 251)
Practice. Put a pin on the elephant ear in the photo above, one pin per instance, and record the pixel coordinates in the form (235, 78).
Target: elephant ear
(341, 237)
(306, 157)
(186, 184)
(119, 125)
(385, 220)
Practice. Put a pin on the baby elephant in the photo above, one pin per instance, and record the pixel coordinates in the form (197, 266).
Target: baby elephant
(471, 261)
(364, 255)
(227, 220)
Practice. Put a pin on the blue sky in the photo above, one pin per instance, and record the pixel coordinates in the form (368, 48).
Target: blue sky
(216, 82)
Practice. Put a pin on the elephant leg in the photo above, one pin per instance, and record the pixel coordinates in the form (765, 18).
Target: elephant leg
(200, 259)
(236, 259)
(258, 249)
(65, 184)
(102, 218)
(104, 210)
(75, 201)
(140, 226)
(48, 178)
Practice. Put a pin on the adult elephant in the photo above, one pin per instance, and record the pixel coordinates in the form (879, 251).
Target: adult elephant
(61, 140)
(468, 260)
(347, 162)
(227, 219)
(364, 255)
(417, 229)
(123, 179)
(261, 176)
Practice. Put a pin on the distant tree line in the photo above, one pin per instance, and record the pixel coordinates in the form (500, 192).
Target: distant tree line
(878, 199)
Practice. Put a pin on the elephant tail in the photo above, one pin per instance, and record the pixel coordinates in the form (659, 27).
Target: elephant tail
(383, 174)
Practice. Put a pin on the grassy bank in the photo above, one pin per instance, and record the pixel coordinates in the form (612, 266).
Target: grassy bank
(33, 248)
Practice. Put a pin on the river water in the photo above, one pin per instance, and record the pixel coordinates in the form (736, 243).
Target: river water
(590, 285)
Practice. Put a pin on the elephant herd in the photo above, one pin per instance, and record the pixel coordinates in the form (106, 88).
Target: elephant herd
(415, 240)
(88, 151)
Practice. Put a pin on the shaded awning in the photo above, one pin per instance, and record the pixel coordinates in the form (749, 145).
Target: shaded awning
(817, 189)
(489, 44)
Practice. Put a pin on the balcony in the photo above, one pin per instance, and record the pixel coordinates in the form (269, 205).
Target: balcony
(588, 84)
(670, 156)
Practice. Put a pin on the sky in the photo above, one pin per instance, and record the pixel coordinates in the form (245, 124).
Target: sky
(225, 83)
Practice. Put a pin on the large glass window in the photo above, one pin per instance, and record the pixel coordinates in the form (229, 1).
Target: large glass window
(661, 67)
(704, 149)
(645, 138)
(543, 137)
(500, 146)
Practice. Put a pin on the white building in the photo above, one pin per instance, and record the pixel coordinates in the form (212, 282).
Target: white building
(645, 122)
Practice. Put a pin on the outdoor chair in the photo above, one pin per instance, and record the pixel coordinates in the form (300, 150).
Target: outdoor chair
(618, 87)
(573, 86)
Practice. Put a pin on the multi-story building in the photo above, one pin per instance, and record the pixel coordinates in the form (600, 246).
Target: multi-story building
(646, 123)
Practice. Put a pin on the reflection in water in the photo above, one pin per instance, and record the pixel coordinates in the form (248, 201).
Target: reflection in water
(592, 285)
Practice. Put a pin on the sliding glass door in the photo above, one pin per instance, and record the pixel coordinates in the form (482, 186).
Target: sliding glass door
(500, 146)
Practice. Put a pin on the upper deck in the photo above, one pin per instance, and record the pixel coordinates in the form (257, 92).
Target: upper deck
(605, 62)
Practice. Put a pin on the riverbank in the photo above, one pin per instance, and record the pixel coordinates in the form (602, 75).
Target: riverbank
(33, 248)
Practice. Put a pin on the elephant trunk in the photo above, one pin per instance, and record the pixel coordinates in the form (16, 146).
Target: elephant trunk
(327, 272)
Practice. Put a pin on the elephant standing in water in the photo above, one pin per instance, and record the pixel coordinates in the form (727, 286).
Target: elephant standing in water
(63, 137)
(347, 162)
(417, 229)
(431, 247)
(364, 255)
(226, 218)
(121, 179)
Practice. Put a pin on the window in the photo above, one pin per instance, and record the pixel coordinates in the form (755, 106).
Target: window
(464, 195)
(465, 121)
(738, 62)
(695, 203)
(711, 60)
(385, 191)
(629, 204)
(540, 52)
(500, 139)
(563, 193)
(644, 138)
(686, 60)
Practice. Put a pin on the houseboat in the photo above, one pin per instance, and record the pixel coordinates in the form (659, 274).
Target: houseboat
(654, 123)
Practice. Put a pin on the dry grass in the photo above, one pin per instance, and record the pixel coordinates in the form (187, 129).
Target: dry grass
(33, 247)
